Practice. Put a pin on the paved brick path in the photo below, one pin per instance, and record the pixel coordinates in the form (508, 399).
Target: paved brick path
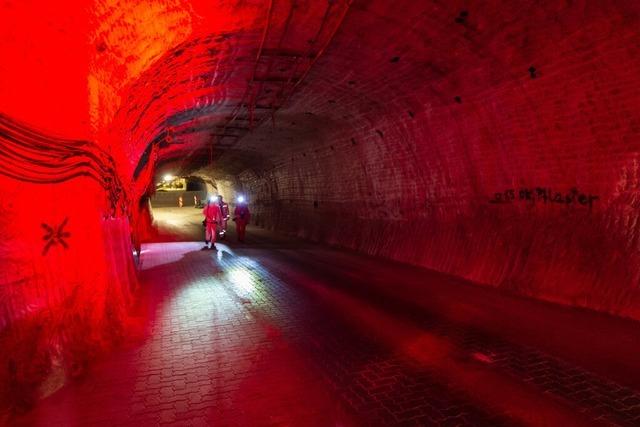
(291, 337)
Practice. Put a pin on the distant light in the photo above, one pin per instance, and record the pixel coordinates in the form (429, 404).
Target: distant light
(241, 199)
(168, 178)
(213, 198)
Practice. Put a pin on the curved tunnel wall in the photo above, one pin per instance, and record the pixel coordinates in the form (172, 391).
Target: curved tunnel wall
(500, 145)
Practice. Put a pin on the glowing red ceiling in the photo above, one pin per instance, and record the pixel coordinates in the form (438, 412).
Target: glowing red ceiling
(146, 79)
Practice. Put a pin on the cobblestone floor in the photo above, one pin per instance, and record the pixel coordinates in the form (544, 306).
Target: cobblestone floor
(280, 336)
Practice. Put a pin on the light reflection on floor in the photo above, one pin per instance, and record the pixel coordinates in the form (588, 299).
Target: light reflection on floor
(253, 336)
(213, 322)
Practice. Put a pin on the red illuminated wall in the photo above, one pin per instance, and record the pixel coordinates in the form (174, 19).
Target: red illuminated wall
(75, 118)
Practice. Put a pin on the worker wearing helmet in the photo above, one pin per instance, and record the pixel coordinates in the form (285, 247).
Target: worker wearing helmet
(212, 218)
(224, 211)
(241, 216)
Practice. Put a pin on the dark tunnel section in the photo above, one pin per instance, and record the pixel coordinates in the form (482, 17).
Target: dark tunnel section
(195, 183)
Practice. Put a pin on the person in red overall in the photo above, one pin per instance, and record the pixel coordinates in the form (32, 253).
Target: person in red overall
(241, 216)
(224, 210)
(212, 217)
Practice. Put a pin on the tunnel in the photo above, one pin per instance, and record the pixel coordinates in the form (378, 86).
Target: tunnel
(441, 200)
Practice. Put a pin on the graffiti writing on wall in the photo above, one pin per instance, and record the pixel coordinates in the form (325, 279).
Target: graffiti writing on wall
(544, 195)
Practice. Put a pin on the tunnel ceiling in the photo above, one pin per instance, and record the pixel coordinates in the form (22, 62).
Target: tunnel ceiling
(236, 84)
(176, 80)
(221, 86)
(410, 67)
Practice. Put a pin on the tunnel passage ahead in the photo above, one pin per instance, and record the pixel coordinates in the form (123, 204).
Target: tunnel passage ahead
(285, 333)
